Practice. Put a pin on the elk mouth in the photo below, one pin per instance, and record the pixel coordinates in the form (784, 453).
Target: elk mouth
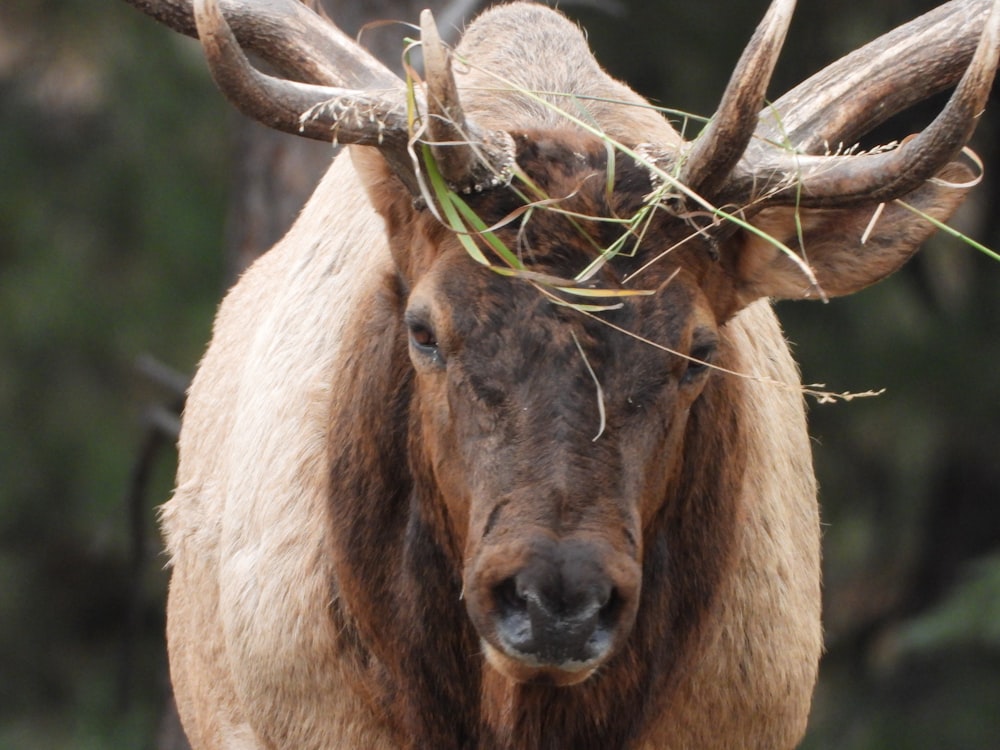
(527, 670)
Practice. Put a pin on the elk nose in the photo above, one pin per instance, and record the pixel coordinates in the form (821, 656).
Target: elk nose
(559, 610)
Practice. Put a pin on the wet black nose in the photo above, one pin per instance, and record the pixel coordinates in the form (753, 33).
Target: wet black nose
(559, 610)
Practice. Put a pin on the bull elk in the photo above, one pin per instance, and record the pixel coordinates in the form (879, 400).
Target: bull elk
(502, 446)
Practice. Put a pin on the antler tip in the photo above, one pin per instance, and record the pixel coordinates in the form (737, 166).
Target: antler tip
(428, 28)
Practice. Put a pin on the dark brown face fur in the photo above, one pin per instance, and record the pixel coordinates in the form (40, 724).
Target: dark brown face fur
(553, 435)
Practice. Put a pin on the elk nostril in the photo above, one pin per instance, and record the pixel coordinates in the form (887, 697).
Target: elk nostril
(611, 609)
(513, 621)
(507, 597)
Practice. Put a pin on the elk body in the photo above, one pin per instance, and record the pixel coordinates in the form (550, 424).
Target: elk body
(426, 503)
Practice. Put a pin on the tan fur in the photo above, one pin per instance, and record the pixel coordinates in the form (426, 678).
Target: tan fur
(756, 675)
(251, 592)
(263, 654)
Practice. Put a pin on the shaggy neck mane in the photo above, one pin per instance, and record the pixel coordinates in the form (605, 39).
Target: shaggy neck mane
(399, 589)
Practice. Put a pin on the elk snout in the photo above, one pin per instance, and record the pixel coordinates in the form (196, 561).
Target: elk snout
(560, 610)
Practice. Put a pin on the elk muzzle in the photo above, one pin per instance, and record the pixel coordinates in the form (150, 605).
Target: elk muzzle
(552, 609)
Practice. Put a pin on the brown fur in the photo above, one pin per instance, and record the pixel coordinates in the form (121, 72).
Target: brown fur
(344, 506)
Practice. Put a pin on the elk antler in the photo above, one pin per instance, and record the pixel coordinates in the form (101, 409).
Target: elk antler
(321, 112)
(298, 42)
(772, 172)
(721, 144)
(465, 157)
(350, 116)
(853, 95)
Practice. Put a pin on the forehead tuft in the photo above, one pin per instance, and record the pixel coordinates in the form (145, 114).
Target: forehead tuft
(571, 206)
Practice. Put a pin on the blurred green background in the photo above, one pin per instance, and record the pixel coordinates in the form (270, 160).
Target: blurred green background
(118, 169)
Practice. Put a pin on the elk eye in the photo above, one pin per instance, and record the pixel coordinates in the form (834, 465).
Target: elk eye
(701, 355)
(423, 337)
(424, 340)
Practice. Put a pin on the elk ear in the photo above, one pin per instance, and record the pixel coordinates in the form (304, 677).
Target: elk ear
(385, 190)
(834, 243)
(394, 203)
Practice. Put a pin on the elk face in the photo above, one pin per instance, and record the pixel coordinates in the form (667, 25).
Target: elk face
(556, 436)
(553, 434)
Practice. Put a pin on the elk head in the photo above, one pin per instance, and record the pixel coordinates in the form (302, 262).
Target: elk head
(566, 298)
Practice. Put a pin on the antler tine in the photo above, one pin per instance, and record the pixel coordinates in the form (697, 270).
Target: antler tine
(446, 126)
(467, 158)
(721, 144)
(320, 112)
(298, 42)
(877, 177)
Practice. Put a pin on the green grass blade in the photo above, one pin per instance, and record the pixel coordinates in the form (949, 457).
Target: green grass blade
(950, 230)
(480, 228)
(442, 193)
